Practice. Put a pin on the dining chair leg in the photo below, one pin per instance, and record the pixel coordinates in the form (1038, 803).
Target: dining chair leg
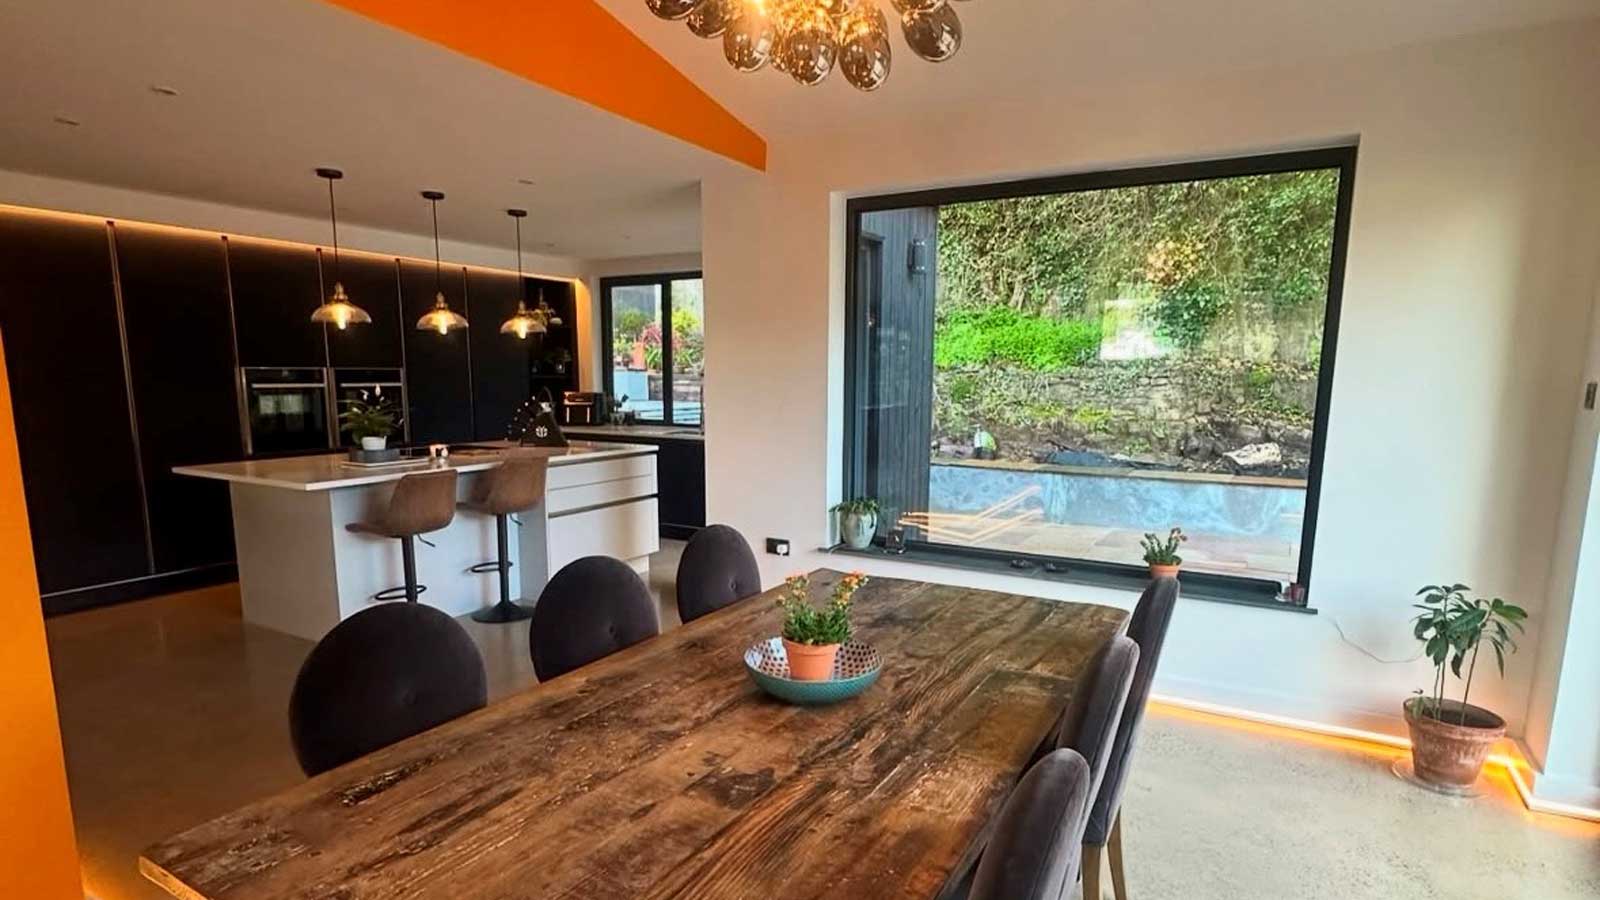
(1091, 872)
(1119, 881)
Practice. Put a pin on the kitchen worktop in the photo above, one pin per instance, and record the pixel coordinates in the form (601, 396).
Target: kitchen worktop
(652, 432)
(330, 471)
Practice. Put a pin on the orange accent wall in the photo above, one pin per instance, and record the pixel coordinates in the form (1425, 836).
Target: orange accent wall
(577, 48)
(38, 853)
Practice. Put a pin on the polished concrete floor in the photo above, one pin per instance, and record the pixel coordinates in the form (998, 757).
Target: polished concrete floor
(173, 712)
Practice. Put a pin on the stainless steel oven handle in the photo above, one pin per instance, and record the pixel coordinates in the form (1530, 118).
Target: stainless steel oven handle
(283, 384)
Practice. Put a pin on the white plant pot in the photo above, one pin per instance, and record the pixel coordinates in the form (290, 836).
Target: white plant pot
(856, 529)
(374, 443)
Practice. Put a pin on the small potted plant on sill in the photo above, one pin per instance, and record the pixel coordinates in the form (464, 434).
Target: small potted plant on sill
(811, 636)
(858, 521)
(1450, 739)
(370, 422)
(1161, 554)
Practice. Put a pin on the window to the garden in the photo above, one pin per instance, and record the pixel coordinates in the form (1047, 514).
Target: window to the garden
(658, 380)
(1045, 371)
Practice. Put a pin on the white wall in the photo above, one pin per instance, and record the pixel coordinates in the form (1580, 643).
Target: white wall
(596, 269)
(1471, 269)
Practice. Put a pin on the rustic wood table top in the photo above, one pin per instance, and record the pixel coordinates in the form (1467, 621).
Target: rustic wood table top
(662, 771)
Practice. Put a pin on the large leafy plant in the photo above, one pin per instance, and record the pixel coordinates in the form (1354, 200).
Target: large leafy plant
(369, 418)
(804, 623)
(1452, 630)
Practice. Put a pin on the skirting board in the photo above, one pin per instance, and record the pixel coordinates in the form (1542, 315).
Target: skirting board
(1510, 755)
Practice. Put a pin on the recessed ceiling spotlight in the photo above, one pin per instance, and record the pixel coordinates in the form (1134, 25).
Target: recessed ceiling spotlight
(67, 120)
(164, 90)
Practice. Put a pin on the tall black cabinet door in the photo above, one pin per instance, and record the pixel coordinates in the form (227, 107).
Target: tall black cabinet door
(63, 345)
(438, 367)
(180, 350)
(275, 290)
(555, 359)
(499, 361)
(373, 283)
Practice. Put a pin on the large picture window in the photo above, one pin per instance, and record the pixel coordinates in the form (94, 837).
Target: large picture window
(1041, 372)
(653, 335)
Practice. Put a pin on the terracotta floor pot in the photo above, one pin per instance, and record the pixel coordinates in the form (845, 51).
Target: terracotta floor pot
(808, 662)
(1157, 571)
(1448, 753)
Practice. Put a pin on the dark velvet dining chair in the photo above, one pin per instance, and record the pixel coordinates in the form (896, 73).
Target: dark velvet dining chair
(717, 569)
(1094, 714)
(1034, 851)
(1147, 628)
(380, 676)
(592, 608)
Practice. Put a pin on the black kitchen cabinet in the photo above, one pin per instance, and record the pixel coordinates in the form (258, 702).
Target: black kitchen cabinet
(499, 361)
(181, 361)
(275, 291)
(681, 487)
(372, 283)
(438, 366)
(63, 347)
(554, 365)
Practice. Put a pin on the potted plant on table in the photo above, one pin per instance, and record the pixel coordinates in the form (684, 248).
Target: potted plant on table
(858, 522)
(811, 636)
(1161, 554)
(1450, 739)
(370, 422)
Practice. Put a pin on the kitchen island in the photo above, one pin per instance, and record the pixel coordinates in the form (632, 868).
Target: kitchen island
(302, 572)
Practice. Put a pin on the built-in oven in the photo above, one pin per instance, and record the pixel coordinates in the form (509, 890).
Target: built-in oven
(286, 410)
(371, 386)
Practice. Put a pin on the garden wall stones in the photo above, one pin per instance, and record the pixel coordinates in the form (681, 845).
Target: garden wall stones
(1186, 413)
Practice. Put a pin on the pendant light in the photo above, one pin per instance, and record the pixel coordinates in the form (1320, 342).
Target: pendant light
(441, 318)
(337, 310)
(523, 322)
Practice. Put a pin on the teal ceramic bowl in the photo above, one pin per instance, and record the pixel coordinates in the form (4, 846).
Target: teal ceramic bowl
(855, 669)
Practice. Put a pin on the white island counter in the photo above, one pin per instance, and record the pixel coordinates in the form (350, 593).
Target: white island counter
(301, 571)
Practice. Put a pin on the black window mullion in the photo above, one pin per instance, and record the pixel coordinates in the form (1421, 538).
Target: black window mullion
(666, 350)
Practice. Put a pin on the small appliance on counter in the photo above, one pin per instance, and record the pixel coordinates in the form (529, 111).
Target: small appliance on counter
(583, 408)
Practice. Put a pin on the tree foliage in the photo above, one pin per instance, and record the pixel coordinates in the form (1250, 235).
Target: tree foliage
(1201, 247)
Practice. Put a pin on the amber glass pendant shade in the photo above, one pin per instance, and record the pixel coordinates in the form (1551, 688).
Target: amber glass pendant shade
(523, 322)
(339, 312)
(441, 318)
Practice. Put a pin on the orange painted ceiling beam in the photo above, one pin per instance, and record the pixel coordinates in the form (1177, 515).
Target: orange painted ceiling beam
(577, 48)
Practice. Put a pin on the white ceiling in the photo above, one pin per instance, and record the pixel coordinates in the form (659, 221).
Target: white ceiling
(1016, 49)
(270, 89)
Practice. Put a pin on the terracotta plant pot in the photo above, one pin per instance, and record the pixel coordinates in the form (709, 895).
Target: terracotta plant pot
(1449, 754)
(1159, 571)
(809, 662)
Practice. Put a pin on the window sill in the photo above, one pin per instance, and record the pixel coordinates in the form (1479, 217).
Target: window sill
(1209, 592)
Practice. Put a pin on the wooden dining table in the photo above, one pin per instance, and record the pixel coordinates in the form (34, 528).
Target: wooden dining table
(662, 771)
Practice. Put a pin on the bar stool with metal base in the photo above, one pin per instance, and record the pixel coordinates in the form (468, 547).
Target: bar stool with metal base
(514, 486)
(421, 502)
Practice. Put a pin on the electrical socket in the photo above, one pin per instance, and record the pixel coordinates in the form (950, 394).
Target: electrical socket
(778, 546)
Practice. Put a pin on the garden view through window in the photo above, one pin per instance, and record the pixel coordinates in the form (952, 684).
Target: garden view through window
(1055, 373)
(658, 380)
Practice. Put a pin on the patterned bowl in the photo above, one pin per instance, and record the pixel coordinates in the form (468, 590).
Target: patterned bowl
(854, 670)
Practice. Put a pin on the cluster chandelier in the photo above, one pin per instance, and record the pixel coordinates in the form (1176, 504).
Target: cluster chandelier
(806, 38)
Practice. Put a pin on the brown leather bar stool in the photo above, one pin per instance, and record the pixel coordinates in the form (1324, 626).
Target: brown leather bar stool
(421, 502)
(514, 486)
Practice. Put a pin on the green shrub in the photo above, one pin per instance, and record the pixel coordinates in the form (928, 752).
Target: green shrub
(1000, 335)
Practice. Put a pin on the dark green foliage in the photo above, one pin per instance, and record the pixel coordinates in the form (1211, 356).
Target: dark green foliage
(804, 623)
(863, 506)
(364, 418)
(1452, 629)
(1163, 551)
(999, 335)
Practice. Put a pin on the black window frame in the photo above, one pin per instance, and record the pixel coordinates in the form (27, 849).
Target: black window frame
(664, 282)
(1225, 587)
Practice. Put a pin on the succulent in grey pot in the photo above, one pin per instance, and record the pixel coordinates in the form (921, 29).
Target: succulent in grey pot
(858, 522)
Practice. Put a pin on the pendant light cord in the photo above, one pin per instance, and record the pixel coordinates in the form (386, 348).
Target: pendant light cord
(438, 279)
(521, 282)
(333, 216)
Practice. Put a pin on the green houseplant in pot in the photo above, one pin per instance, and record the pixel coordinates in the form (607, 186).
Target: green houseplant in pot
(858, 521)
(1450, 739)
(369, 421)
(1161, 554)
(812, 635)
